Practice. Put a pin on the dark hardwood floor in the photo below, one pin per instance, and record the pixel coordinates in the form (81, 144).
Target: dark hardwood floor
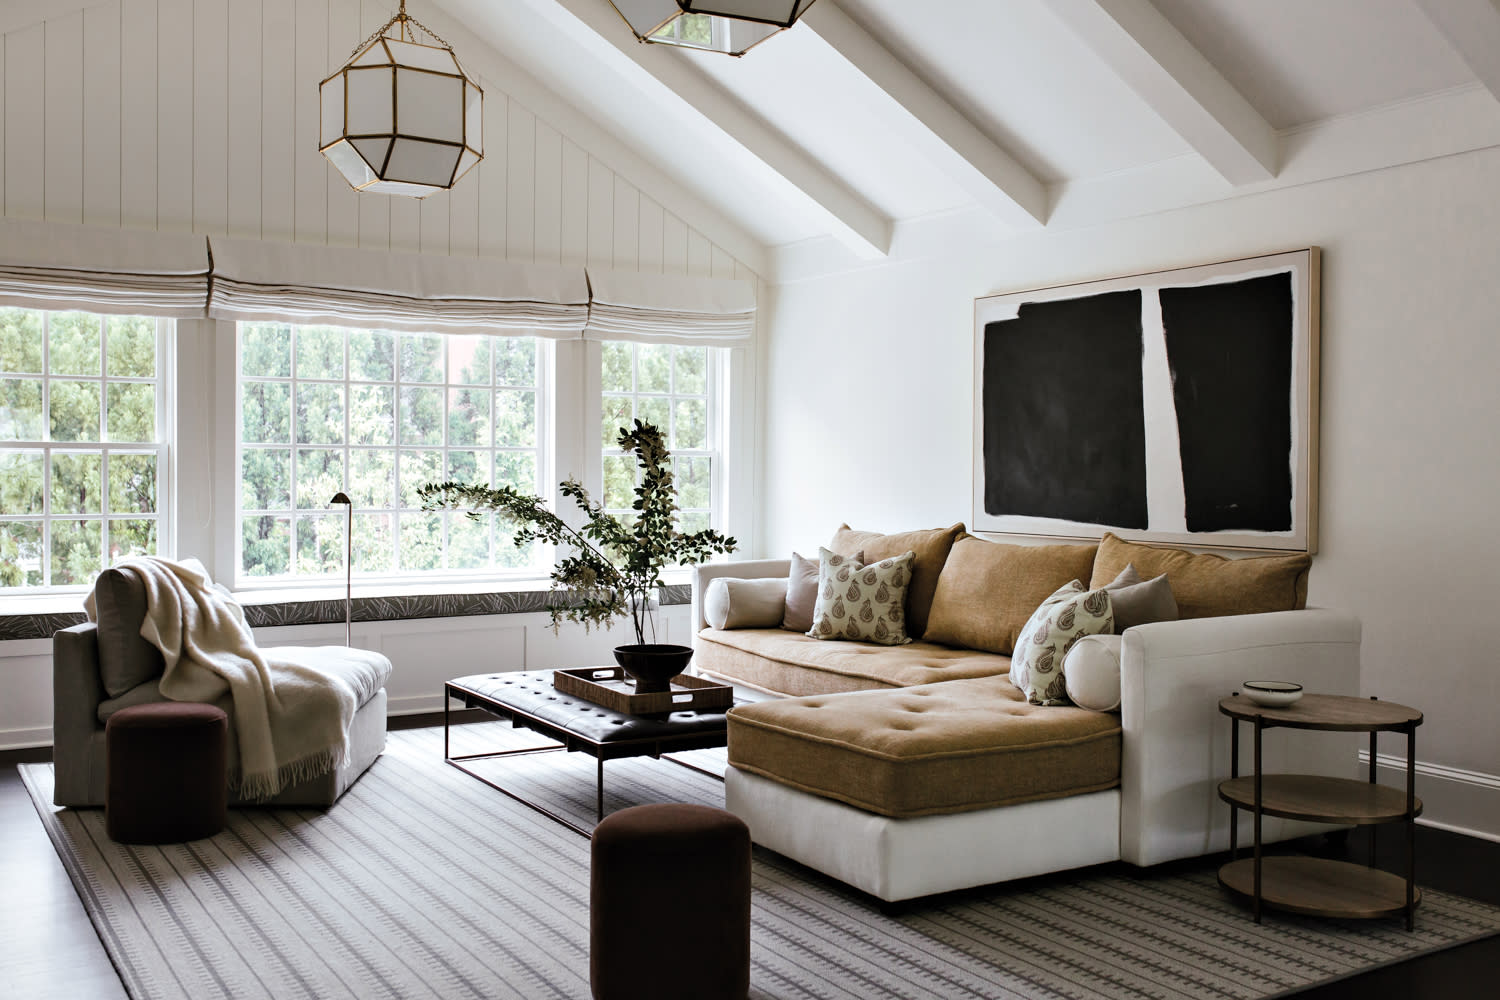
(48, 948)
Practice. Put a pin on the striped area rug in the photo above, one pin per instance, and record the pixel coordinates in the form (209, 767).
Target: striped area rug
(423, 882)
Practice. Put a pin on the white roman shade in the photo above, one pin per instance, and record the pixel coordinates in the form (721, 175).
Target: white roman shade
(281, 282)
(47, 265)
(669, 309)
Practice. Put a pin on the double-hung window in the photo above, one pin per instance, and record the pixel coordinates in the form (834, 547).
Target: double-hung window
(377, 414)
(675, 388)
(83, 445)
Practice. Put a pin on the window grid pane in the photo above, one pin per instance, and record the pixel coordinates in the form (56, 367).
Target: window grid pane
(81, 460)
(670, 387)
(376, 415)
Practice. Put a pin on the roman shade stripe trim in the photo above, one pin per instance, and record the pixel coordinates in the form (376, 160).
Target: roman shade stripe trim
(48, 265)
(64, 266)
(280, 282)
(668, 309)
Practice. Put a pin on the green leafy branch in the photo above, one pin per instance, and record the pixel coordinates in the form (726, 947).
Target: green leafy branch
(612, 568)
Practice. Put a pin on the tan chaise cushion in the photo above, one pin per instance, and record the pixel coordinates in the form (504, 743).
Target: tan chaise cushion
(787, 663)
(931, 549)
(938, 748)
(988, 590)
(1206, 585)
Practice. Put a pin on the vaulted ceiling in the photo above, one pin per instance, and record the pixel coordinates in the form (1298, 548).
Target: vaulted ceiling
(872, 117)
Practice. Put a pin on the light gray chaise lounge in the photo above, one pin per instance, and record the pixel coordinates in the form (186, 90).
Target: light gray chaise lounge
(90, 661)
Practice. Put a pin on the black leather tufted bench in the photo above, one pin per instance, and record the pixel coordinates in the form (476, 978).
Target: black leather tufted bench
(529, 701)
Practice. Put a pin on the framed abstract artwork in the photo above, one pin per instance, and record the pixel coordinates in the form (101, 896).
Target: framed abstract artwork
(1176, 406)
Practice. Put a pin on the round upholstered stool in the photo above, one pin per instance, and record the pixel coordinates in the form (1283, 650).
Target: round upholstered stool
(669, 917)
(165, 778)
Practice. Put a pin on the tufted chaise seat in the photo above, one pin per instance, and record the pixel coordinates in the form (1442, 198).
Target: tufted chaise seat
(792, 663)
(942, 748)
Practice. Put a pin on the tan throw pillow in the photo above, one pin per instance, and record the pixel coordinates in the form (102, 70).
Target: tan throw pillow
(1064, 618)
(862, 602)
(733, 603)
(931, 550)
(1140, 603)
(1207, 585)
(988, 590)
(802, 592)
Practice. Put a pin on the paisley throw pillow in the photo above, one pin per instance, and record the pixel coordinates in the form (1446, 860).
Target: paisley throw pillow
(862, 602)
(1067, 616)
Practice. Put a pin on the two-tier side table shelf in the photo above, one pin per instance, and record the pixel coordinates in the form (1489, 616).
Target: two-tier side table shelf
(1321, 887)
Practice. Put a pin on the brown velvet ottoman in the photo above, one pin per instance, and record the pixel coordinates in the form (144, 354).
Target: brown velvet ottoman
(165, 777)
(669, 917)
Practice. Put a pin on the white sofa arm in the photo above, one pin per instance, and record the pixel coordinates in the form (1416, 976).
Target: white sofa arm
(750, 569)
(1177, 744)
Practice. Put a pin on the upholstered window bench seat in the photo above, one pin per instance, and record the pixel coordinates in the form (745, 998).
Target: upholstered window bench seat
(911, 770)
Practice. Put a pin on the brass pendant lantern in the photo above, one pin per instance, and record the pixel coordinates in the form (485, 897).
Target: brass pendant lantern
(402, 117)
(729, 26)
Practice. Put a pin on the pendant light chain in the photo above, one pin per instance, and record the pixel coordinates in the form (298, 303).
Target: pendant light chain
(404, 19)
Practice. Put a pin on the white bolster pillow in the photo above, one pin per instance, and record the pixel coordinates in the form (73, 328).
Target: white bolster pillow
(733, 603)
(1091, 671)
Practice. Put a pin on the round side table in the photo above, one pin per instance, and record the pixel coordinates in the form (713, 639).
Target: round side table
(1318, 886)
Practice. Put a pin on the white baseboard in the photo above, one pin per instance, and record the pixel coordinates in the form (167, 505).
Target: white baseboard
(25, 739)
(416, 704)
(1466, 802)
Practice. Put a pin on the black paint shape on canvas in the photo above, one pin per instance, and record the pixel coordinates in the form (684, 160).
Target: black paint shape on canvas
(1063, 419)
(1229, 346)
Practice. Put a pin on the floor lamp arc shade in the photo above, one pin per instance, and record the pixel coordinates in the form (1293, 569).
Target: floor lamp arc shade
(402, 116)
(343, 498)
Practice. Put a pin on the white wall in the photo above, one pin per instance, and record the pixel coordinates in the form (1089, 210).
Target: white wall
(202, 116)
(868, 409)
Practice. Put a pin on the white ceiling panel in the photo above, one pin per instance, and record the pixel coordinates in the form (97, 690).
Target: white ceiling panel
(665, 132)
(1301, 61)
(794, 144)
(1026, 80)
(815, 98)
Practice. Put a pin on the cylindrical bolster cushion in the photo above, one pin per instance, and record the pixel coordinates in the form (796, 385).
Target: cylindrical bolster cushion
(733, 603)
(1091, 672)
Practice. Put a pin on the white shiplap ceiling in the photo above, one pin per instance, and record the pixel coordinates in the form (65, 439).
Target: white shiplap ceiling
(872, 117)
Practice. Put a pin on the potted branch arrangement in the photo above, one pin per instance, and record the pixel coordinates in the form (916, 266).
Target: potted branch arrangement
(606, 569)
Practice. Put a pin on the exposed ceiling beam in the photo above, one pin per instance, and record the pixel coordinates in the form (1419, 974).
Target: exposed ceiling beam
(851, 219)
(989, 174)
(1179, 84)
(1472, 27)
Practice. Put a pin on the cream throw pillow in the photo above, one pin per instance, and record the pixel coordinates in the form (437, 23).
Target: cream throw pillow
(865, 603)
(1091, 671)
(730, 602)
(1067, 616)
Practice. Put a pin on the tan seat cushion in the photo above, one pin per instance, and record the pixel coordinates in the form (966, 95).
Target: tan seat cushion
(937, 748)
(931, 548)
(794, 664)
(1207, 585)
(988, 590)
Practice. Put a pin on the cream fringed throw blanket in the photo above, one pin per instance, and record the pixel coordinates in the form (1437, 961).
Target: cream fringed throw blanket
(291, 718)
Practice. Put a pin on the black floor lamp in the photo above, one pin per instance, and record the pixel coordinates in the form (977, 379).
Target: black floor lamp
(343, 498)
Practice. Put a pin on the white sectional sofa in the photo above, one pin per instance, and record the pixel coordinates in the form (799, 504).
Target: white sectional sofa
(1173, 748)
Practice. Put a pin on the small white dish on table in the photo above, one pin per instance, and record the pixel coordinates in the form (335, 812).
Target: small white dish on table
(1272, 694)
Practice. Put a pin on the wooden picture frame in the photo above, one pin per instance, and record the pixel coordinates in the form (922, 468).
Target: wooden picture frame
(1178, 406)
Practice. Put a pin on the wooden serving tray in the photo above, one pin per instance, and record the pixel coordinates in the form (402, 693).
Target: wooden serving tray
(612, 688)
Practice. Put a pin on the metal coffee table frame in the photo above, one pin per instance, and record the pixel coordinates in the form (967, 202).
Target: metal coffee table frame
(657, 747)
